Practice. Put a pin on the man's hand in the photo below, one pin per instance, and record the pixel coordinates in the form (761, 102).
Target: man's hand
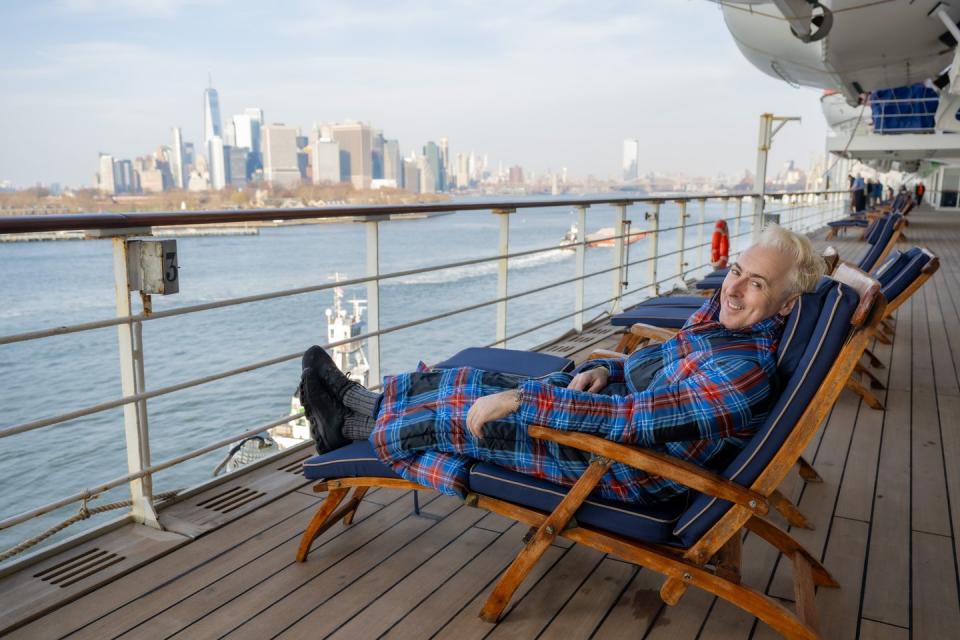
(489, 408)
(590, 381)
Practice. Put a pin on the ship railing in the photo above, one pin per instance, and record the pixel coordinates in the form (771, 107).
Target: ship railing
(801, 211)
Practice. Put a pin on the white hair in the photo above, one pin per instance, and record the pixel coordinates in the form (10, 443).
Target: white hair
(808, 267)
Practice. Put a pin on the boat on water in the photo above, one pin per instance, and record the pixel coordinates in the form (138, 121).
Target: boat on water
(343, 330)
(605, 237)
(216, 559)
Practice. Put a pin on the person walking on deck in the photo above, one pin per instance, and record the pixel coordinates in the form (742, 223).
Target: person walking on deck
(698, 396)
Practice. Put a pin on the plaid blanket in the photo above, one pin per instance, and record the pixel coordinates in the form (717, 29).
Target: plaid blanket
(711, 393)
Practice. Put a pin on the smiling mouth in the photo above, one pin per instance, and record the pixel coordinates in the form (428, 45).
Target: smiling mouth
(733, 306)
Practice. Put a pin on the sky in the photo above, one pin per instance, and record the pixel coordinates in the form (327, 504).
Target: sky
(543, 83)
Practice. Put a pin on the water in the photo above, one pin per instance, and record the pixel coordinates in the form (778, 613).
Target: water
(48, 284)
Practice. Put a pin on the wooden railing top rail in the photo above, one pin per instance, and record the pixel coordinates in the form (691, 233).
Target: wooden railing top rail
(84, 221)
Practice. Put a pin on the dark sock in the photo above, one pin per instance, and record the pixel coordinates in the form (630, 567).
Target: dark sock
(358, 427)
(362, 401)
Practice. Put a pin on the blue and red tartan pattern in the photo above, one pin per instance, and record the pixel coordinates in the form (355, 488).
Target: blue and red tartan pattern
(711, 394)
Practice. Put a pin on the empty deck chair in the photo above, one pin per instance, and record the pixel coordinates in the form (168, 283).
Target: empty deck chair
(693, 541)
(889, 230)
(900, 277)
(902, 204)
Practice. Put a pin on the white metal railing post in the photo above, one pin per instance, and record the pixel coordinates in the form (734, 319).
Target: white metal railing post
(654, 231)
(581, 259)
(502, 272)
(373, 298)
(135, 429)
(681, 263)
(701, 237)
(619, 226)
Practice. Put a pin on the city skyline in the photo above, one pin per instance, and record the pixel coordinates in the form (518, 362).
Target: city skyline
(542, 86)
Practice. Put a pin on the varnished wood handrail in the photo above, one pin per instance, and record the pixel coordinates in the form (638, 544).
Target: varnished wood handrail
(82, 221)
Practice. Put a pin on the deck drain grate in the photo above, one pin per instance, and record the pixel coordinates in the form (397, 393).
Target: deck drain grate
(294, 466)
(231, 499)
(563, 348)
(78, 567)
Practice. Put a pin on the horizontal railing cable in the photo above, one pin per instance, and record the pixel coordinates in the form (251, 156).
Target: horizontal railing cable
(90, 493)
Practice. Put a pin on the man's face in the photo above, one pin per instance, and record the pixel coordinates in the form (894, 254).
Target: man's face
(756, 288)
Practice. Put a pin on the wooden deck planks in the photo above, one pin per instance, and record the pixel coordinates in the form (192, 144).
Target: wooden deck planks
(287, 589)
(463, 594)
(635, 609)
(110, 610)
(371, 604)
(589, 605)
(936, 612)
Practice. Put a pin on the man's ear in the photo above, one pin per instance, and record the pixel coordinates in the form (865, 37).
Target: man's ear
(788, 305)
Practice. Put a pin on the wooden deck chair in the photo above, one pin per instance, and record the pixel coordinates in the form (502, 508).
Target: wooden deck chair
(888, 234)
(694, 542)
(900, 277)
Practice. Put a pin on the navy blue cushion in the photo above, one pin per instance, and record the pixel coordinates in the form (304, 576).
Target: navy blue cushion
(521, 363)
(353, 460)
(658, 316)
(916, 260)
(890, 267)
(651, 524)
(670, 301)
(800, 327)
(848, 222)
(820, 352)
(712, 280)
(874, 230)
(868, 262)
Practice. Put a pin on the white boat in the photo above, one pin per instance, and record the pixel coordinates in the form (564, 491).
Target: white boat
(604, 237)
(350, 358)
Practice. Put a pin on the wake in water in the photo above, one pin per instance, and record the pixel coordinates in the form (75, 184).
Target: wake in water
(469, 272)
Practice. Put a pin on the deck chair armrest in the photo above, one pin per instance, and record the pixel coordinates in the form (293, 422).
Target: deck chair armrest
(605, 354)
(660, 464)
(651, 332)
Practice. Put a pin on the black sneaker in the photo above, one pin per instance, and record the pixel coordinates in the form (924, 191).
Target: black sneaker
(319, 360)
(323, 411)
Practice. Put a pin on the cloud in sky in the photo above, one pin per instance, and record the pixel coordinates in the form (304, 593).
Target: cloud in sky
(541, 84)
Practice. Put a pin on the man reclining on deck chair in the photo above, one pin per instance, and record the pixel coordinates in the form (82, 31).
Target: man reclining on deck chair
(698, 396)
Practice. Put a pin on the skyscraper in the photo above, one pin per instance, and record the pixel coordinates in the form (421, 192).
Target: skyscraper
(392, 162)
(411, 176)
(433, 168)
(211, 116)
(326, 160)
(177, 165)
(218, 169)
(631, 158)
(280, 167)
(235, 166)
(123, 177)
(356, 158)
(444, 163)
(376, 155)
(463, 171)
(105, 176)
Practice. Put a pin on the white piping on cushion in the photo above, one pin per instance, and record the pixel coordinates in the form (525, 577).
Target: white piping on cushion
(328, 462)
(562, 495)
